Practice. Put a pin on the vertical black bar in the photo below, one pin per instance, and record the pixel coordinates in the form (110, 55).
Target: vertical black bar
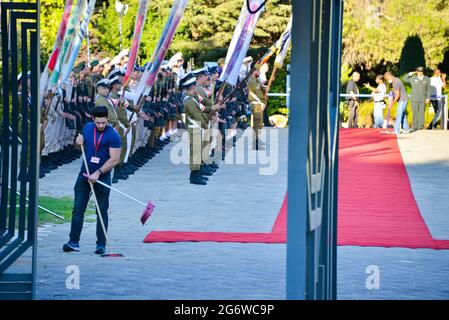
(335, 71)
(25, 133)
(298, 149)
(5, 138)
(325, 161)
(14, 123)
(34, 150)
(35, 156)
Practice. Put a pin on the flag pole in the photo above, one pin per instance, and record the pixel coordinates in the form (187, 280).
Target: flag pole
(272, 77)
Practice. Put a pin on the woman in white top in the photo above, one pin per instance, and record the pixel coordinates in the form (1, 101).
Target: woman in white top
(379, 103)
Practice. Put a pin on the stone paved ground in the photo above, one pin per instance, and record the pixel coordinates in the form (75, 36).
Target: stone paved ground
(237, 199)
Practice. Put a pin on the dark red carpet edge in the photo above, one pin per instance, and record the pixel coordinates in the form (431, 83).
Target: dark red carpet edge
(376, 204)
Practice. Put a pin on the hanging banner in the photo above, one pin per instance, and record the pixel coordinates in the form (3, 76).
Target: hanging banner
(70, 58)
(72, 27)
(138, 29)
(152, 68)
(283, 44)
(240, 42)
(57, 46)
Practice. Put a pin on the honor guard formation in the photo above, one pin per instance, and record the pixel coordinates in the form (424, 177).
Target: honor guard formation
(191, 100)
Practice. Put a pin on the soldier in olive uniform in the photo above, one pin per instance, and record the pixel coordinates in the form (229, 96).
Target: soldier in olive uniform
(205, 97)
(420, 95)
(198, 121)
(256, 97)
(120, 104)
(102, 100)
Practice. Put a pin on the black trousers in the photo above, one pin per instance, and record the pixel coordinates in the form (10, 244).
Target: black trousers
(82, 195)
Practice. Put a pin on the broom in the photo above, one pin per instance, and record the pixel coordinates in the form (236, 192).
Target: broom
(148, 206)
(98, 209)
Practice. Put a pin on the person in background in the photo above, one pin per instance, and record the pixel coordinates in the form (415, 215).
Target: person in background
(379, 103)
(400, 96)
(437, 83)
(420, 95)
(353, 101)
(245, 68)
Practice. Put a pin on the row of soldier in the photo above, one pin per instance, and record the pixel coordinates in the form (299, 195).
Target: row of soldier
(145, 128)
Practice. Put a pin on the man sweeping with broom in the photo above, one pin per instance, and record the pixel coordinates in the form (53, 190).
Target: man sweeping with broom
(102, 145)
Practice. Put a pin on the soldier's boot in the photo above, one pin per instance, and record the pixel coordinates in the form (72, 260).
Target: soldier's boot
(121, 173)
(205, 171)
(41, 171)
(48, 163)
(44, 168)
(64, 156)
(214, 165)
(138, 161)
(115, 176)
(127, 169)
(196, 178)
(148, 152)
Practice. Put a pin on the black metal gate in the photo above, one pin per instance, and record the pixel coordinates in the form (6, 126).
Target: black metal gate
(313, 149)
(19, 147)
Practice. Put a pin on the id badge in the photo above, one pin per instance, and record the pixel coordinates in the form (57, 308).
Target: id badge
(95, 160)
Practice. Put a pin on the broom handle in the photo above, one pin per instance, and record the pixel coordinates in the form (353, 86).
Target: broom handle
(124, 194)
(95, 197)
(40, 207)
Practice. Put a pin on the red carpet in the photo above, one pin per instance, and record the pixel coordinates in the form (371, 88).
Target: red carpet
(376, 205)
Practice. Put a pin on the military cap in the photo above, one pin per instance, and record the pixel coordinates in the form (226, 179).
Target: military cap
(199, 72)
(420, 69)
(248, 59)
(123, 69)
(94, 63)
(189, 82)
(175, 58)
(113, 81)
(213, 69)
(19, 76)
(115, 73)
(103, 83)
(79, 67)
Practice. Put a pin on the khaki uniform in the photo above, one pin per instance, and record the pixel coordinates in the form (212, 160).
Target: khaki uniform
(256, 97)
(197, 123)
(205, 98)
(114, 116)
(51, 140)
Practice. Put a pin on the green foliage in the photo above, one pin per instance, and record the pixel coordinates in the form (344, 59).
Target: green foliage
(204, 32)
(50, 19)
(277, 105)
(374, 31)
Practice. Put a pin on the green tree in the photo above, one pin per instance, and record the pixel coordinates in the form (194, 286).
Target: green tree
(412, 55)
(374, 31)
